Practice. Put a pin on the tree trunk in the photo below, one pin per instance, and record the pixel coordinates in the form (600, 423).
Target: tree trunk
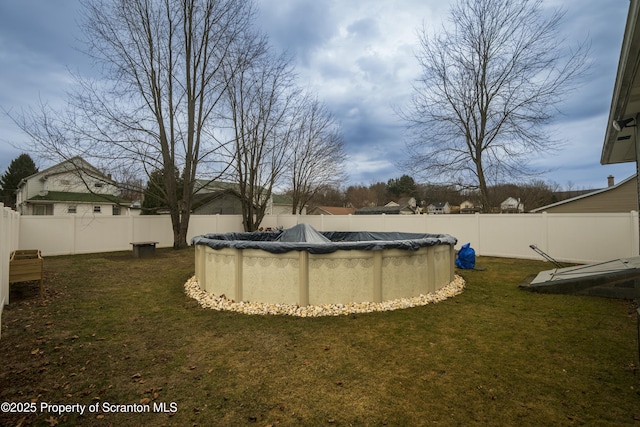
(180, 242)
(484, 190)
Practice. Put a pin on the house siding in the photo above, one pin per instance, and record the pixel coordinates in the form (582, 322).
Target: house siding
(57, 187)
(85, 209)
(623, 198)
(223, 205)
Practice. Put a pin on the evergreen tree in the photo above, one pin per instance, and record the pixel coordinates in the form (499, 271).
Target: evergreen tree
(404, 186)
(20, 167)
(155, 194)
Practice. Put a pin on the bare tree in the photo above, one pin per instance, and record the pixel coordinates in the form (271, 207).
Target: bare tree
(153, 108)
(328, 196)
(260, 98)
(360, 196)
(381, 192)
(490, 83)
(317, 154)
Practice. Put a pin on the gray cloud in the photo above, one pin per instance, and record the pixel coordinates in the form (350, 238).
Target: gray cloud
(299, 27)
(357, 55)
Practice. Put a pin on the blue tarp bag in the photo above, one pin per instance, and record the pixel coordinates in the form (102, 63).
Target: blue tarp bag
(466, 257)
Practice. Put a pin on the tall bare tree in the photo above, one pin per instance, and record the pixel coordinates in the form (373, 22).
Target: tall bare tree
(153, 107)
(359, 196)
(490, 83)
(317, 153)
(261, 96)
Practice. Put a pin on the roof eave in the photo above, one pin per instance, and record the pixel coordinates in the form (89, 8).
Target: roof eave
(615, 150)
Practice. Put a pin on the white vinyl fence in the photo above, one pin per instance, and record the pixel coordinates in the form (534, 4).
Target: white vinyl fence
(578, 238)
(9, 228)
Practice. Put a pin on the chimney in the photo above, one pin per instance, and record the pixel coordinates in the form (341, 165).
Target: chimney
(610, 182)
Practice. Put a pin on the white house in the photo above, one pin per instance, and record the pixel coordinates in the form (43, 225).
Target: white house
(438, 208)
(511, 205)
(71, 187)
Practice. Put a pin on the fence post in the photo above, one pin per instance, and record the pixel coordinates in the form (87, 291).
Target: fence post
(4, 262)
(74, 233)
(9, 229)
(5, 231)
(478, 243)
(635, 234)
(132, 237)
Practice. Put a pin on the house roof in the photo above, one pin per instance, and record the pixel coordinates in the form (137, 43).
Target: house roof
(510, 201)
(584, 196)
(207, 191)
(335, 210)
(407, 201)
(61, 196)
(388, 210)
(207, 186)
(620, 145)
(71, 165)
(438, 205)
(201, 199)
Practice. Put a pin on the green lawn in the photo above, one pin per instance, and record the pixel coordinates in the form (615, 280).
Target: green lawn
(115, 330)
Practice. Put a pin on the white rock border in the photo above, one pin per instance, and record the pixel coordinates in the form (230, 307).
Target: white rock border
(220, 303)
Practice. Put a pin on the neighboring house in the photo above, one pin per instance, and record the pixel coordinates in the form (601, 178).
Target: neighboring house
(222, 202)
(438, 208)
(411, 203)
(331, 210)
(385, 210)
(621, 197)
(511, 205)
(223, 198)
(468, 207)
(283, 204)
(71, 187)
(405, 206)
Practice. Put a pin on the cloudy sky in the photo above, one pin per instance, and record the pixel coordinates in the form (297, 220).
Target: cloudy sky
(357, 55)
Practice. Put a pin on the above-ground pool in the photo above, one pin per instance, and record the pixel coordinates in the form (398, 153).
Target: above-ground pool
(301, 266)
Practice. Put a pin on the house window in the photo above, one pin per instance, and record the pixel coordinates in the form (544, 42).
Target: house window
(72, 209)
(43, 209)
(98, 185)
(116, 210)
(97, 209)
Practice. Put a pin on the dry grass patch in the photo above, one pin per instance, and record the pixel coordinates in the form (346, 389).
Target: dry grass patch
(121, 330)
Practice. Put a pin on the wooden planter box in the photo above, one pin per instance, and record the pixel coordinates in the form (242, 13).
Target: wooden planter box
(26, 265)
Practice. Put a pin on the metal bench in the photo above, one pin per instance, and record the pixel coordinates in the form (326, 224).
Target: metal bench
(144, 249)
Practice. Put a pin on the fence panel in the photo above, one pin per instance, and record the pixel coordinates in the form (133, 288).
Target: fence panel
(566, 237)
(205, 224)
(590, 237)
(462, 227)
(9, 232)
(151, 228)
(53, 235)
(503, 234)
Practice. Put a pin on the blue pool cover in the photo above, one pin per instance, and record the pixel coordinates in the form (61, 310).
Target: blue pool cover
(303, 237)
